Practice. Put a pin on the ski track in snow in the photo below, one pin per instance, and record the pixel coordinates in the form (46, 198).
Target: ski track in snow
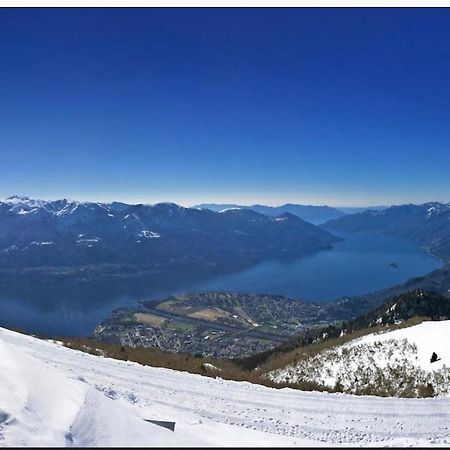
(210, 411)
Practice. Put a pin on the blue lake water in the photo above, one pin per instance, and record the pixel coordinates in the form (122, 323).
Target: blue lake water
(360, 264)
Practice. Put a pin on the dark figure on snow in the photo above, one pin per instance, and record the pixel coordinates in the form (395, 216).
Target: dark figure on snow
(434, 358)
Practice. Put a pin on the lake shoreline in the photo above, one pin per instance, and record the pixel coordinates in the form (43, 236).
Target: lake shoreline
(74, 303)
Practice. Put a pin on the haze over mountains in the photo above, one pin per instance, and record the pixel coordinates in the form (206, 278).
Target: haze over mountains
(69, 233)
(428, 224)
(311, 213)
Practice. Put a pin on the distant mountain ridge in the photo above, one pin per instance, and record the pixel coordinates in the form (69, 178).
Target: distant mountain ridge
(358, 209)
(428, 224)
(37, 233)
(310, 213)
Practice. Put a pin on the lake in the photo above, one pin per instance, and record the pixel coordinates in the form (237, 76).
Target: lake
(360, 264)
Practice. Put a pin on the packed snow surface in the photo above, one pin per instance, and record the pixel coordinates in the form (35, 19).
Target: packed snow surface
(52, 395)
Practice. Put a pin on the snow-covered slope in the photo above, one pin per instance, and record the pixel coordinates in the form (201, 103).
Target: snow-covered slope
(42, 407)
(427, 337)
(394, 362)
(51, 395)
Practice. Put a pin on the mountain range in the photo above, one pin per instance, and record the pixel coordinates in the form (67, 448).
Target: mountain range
(313, 214)
(428, 224)
(37, 233)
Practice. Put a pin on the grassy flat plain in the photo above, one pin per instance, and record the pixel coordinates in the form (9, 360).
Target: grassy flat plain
(149, 319)
(239, 324)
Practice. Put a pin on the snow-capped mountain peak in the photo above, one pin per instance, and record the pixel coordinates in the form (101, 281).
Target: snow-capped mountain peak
(23, 201)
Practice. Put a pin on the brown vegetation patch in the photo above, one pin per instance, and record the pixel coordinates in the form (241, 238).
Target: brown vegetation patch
(231, 370)
(182, 362)
(283, 359)
(210, 314)
(149, 319)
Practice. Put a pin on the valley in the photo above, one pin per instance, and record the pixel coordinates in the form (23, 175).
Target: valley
(298, 311)
(216, 324)
(224, 225)
(118, 269)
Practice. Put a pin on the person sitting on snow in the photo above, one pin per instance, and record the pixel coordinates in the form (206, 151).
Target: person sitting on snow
(434, 358)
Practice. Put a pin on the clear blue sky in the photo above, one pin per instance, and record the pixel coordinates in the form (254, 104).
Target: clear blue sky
(322, 106)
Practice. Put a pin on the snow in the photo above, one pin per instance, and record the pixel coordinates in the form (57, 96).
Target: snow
(428, 337)
(11, 248)
(69, 208)
(149, 234)
(52, 395)
(23, 212)
(436, 208)
(17, 200)
(38, 405)
(88, 241)
(376, 359)
(229, 209)
(211, 367)
(25, 205)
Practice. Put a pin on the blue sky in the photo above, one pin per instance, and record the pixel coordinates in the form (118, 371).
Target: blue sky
(321, 106)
